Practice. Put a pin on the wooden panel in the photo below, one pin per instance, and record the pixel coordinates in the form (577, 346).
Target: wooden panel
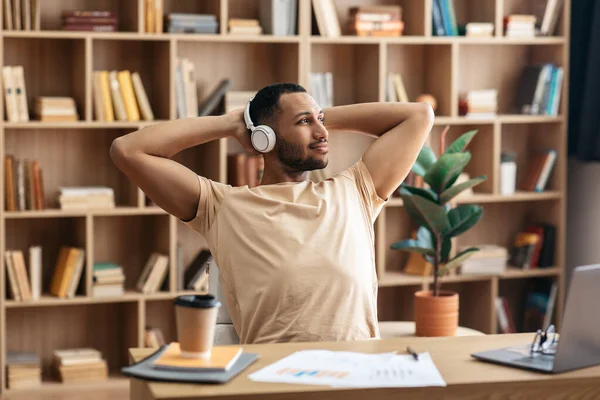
(474, 11)
(129, 241)
(46, 329)
(126, 11)
(88, 165)
(161, 314)
(133, 56)
(398, 227)
(50, 235)
(412, 14)
(347, 62)
(425, 69)
(52, 67)
(397, 303)
(475, 303)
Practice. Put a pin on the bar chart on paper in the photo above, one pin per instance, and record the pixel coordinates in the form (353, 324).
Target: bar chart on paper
(347, 369)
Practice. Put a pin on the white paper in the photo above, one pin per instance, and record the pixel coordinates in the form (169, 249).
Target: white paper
(352, 370)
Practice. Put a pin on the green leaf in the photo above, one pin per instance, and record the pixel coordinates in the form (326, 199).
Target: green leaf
(425, 160)
(412, 245)
(457, 260)
(463, 218)
(461, 143)
(451, 192)
(423, 192)
(446, 170)
(425, 212)
(446, 247)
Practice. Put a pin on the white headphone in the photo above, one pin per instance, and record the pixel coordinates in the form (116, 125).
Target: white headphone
(262, 136)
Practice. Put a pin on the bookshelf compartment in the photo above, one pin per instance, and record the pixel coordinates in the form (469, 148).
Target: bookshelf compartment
(89, 165)
(516, 291)
(524, 140)
(208, 7)
(481, 163)
(474, 11)
(475, 303)
(109, 328)
(129, 241)
(51, 67)
(50, 235)
(500, 67)
(125, 11)
(242, 64)
(345, 62)
(161, 314)
(413, 14)
(133, 56)
(533, 8)
(252, 9)
(424, 69)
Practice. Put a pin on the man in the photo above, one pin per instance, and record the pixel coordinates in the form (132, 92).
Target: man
(296, 258)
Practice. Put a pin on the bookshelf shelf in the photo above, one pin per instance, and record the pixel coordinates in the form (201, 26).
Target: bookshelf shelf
(61, 63)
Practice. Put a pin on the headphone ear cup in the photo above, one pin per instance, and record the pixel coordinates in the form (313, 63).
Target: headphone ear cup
(263, 138)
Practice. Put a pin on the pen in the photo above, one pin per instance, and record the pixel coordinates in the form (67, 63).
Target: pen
(413, 353)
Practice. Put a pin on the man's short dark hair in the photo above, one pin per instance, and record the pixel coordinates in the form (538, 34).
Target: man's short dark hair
(265, 105)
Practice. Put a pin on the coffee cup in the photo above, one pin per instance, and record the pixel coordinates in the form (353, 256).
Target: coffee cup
(196, 320)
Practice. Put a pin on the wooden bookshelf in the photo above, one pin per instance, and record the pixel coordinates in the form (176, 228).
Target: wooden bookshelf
(77, 153)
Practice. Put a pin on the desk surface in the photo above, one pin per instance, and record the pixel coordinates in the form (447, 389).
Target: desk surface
(464, 375)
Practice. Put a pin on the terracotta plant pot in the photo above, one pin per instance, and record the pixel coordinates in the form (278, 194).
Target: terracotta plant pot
(436, 316)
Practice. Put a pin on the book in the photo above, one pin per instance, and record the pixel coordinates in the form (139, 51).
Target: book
(221, 359)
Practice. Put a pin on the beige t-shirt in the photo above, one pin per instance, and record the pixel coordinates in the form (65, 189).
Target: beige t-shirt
(296, 260)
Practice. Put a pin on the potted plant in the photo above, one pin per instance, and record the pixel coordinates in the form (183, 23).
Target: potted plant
(436, 311)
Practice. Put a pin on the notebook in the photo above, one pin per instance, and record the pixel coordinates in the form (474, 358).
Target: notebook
(221, 359)
(144, 369)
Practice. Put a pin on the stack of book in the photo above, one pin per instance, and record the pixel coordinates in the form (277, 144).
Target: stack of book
(278, 17)
(517, 25)
(444, 18)
(83, 20)
(80, 365)
(540, 90)
(154, 273)
(24, 283)
(153, 337)
(67, 271)
(375, 21)
(108, 280)
(121, 96)
(186, 90)
(489, 260)
(23, 370)
(86, 197)
(192, 23)
(55, 109)
(479, 103)
(321, 88)
(395, 89)
(22, 15)
(539, 170)
(23, 184)
(15, 93)
(479, 29)
(244, 26)
(195, 276)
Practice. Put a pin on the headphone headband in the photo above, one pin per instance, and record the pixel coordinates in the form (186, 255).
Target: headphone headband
(247, 118)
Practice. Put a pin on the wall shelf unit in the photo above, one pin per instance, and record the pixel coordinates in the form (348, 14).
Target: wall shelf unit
(61, 63)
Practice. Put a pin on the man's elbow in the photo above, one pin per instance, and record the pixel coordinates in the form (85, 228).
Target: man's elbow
(119, 152)
(425, 114)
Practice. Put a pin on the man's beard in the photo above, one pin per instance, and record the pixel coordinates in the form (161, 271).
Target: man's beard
(290, 155)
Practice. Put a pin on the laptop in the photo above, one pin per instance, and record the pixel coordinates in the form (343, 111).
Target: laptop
(579, 343)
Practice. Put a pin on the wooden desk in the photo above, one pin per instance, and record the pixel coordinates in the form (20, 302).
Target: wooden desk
(466, 377)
